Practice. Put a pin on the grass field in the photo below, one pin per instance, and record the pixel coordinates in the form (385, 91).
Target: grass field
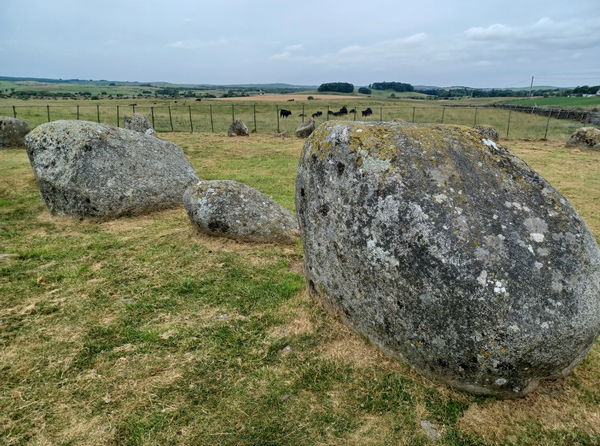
(593, 102)
(139, 331)
(261, 113)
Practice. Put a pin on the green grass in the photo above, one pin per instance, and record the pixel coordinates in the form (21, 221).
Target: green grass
(139, 331)
(593, 102)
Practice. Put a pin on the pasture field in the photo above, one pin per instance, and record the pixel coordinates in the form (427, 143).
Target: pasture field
(564, 102)
(139, 331)
(260, 113)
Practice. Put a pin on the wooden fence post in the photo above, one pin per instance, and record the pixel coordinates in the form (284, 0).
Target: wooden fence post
(191, 122)
(232, 112)
(98, 113)
(78, 111)
(327, 118)
(152, 114)
(133, 107)
(254, 111)
(303, 113)
(48, 112)
(119, 118)
(14, 112)
(475, 119)
(277, 110)
(413, 118)
(212, 126)
(508, 125)
(170, 118)
(381, 113)
(443, 112)
(547, 124)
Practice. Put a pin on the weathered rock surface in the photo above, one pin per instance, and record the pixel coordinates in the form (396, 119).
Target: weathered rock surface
(234, 210)
(588, 137)
(86, 169)
(304, 130)
(238, 128)
(448, 252)
(487, 131)
(137, 122)
(12, 132)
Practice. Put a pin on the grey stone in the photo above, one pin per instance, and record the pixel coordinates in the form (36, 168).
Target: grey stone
(431, 430)
(234, 210)
(138, 123)
(586, 137)
(85, 169)
(12, 132)
(448, 252)
(487, 131)
(238, 128)
(304, 130)
(150, 132)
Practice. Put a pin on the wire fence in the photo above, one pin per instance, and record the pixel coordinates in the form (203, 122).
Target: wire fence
(275, 118)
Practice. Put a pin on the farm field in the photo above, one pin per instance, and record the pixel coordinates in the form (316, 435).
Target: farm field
(593, 102)
(141, 331)
(260, 113)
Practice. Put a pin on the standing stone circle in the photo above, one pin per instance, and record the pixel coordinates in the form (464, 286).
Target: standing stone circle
(448, 252)
(12, 132)
(238, 128)
(137, 122)
(304, 130)
(234, 210)
(85, 169)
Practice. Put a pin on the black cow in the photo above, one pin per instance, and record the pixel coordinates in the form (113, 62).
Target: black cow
(352, 111)
(302, 115)
(343, 111)
(317, 114)
(329, 112)
(284, 113)
(367, 112)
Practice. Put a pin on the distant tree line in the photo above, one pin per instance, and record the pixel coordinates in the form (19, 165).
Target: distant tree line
(584, 90)
(340, 87)
(395, 86)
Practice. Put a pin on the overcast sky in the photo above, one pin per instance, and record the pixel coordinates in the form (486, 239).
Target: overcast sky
(476, 43)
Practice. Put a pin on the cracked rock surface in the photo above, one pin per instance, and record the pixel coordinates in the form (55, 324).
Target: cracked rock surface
(85, 169)
(448, 252)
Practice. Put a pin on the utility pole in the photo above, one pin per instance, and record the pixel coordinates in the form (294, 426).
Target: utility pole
(531, 88)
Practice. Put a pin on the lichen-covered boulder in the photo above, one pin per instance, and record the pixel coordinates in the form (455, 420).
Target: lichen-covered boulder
(231, 209)
(587, 137)
(137, 122)
(238, 128)
(488, 132)
(304, 130)
(449, 252)
(85, 169)
(12, 132)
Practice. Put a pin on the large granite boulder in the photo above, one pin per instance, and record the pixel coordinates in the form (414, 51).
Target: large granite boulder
(12, 132)
(85, 169)
(449, 252)
(238, 128)
(138, 123)
(231, 209)
(304, 130)
(586, 137)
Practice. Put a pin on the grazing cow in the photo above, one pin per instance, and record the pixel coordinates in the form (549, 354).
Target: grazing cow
(343, 110)
(302, 115)
(317, 114)
(352, 111)
(284, 113)
(329, 112)
(367, 112)
(291, 100)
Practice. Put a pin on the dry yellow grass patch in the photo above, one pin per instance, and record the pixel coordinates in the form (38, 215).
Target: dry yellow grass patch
(554, 406)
